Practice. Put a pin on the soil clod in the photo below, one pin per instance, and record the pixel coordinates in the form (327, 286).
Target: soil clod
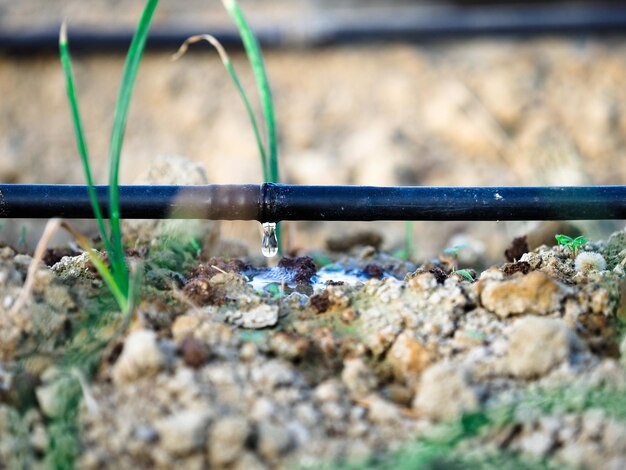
(519, 246)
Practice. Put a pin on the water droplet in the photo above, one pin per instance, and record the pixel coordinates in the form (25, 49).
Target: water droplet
(269, 243)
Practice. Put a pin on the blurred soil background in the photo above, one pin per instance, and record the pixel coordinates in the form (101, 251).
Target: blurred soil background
(491, 111)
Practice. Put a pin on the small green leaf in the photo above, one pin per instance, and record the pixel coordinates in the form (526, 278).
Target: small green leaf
(131, 67)
(454, 250)
(563, 239)
(466, 274)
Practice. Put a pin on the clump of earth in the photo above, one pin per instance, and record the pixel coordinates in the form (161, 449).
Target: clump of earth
(325, 359)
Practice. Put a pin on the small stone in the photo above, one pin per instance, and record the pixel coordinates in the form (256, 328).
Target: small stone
(248, 351)
(183, 432)
(274, 441)
(349, 315)
(273, 374)
(445, 391)
(536, 293)
(52, 397)
(195, 353)
(183, 326)
(539, 344)
(146, 433)
(227, 439)
(333, 411)
(358, 377)
(614, 437)
(408, 357)
(141, 357)
(249, 461)
(381, 411)
(328, 391)
(593, 423)
(263, 409)
(289, 346)
(39, 438)
(260, 317)
(537, 444)
(399, 394)
(307, 414)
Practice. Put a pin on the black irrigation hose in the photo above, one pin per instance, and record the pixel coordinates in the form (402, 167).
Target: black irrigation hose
(356, 25)
(275, 202)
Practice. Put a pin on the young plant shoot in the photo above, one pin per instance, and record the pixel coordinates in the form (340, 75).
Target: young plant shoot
(116, 278)
(268, 150)
(572, 244)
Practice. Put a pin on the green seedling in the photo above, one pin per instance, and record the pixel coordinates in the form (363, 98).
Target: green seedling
(83, 357)
(406, 252)
(454, 253)
(116, 277)
(268, 150)
(465, 273)
(21, 242)
(572, 244)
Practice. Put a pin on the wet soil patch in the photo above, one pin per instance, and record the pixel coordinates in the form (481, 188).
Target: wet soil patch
(301, 269)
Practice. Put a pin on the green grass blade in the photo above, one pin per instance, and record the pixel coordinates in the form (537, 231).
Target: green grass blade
(81, 142)
(133, 59)
(255, 57)
(408, 239)
(242, 93)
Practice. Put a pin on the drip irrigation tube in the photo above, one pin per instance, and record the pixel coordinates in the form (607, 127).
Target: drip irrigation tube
(275, 202)
(349, 26)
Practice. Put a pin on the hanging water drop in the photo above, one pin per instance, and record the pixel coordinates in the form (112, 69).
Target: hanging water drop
(269, 243)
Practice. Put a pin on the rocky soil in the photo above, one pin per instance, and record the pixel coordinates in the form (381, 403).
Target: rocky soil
(349, 356)
(211, 371)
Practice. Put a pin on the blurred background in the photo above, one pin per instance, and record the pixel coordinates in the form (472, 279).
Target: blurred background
(369, 106)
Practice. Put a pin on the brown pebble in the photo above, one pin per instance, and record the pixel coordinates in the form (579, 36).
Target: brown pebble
(201, 292)
(348, 315)
(194, 352)
(289, 346)
(399, 394)
(320, 302)
(325, 341)
(374, 270)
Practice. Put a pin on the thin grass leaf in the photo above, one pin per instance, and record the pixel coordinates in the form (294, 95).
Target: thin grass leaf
(235, 79)
(133, 59)
(408, 239)
(255, 57)
(136, 276)
(120, 296)
(81, 142)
